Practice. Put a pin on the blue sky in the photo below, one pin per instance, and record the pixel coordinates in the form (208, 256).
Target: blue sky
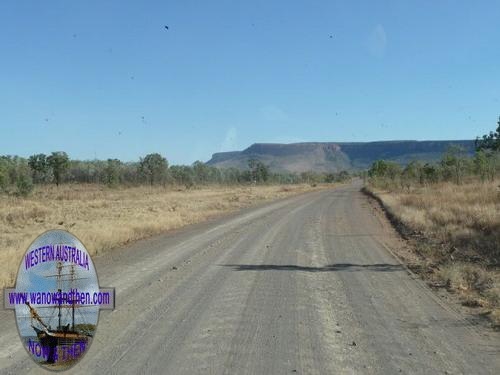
(106, 79)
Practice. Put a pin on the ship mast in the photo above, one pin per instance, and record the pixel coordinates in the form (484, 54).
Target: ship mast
(34, 315)
(59, 269)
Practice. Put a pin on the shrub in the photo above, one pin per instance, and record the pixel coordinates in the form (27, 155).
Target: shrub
(24, 186)
(467, 277)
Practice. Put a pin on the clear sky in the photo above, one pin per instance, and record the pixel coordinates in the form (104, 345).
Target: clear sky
(106, 79)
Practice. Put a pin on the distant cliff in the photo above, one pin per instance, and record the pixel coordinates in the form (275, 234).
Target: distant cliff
(334, 157)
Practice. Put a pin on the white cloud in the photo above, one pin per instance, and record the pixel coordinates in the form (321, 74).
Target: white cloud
(377, 41)
(230, 140)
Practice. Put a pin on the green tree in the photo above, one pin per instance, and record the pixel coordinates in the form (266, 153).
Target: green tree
(24, 185)
(182, 175)
(112, 172)
(259, 171)
(252, 164)
(230, 175)
(262, 172)
(39, 167)
(11, 165)
(412, 174)
(201, 172)
(59, 163)
(154, 168)
(215, 175)
(4, 173)
(429, 173)
(384, 169)
(454, 163)
(484, 164)
(491, 141)
(384, 173)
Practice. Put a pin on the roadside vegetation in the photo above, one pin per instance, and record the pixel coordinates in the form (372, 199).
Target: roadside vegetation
(110, 203)
(450, 212)
(19, 176)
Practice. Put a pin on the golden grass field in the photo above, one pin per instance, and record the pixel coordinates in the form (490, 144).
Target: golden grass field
(461, 228)
(104, 218)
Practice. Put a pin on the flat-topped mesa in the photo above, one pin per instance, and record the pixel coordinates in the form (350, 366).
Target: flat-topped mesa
(279, 149)
(335, 156)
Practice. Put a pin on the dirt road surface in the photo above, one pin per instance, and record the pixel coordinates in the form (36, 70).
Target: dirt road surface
(304, 285)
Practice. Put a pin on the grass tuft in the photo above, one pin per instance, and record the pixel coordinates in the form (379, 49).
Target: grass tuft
(456, 230)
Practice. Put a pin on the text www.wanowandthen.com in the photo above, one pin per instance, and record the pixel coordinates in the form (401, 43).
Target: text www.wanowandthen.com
(53, 298)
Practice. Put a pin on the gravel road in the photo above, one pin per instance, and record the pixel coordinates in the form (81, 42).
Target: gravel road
(304, 285)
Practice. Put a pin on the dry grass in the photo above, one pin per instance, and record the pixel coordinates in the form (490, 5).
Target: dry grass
(104, 218)
(464, 216)
(458, 232)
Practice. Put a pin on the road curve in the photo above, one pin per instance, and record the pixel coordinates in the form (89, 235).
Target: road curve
(303, 285)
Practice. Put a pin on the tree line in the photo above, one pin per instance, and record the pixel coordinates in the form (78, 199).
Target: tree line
(455, 166)
(19, 175)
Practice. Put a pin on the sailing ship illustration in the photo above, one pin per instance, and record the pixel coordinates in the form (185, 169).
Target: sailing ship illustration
(66, 334)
